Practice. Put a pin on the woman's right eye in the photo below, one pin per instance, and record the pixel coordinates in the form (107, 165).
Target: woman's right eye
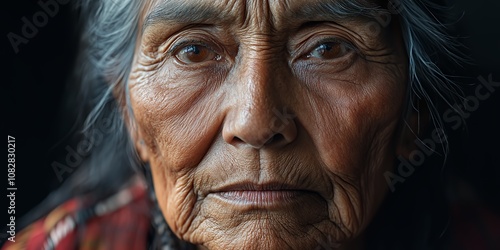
(193, 53)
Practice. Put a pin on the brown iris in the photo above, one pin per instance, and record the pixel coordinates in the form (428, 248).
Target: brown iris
(195, 54)
(328, 51)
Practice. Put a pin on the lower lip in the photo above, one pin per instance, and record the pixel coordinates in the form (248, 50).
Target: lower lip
(261, 198)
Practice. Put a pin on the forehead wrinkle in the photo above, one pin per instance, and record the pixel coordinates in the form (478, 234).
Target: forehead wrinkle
(258, 15)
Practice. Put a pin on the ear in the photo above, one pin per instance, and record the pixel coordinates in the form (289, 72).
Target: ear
(140, 146)
(136, 136)
(413, 127)
(134, 131)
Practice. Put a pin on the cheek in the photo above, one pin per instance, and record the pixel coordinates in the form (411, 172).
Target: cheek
(177, 120)
(354, 132)
(350, 117)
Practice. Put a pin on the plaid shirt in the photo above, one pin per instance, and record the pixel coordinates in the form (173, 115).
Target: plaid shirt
(121, 221)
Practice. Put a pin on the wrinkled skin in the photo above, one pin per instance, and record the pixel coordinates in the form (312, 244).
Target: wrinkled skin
(264, 130)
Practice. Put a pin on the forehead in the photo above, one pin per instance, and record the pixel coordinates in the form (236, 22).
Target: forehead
(276, 13)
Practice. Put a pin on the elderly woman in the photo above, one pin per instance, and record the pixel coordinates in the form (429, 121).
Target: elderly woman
(273, 124)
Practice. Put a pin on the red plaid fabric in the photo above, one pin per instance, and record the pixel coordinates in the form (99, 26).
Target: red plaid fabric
(120, 222)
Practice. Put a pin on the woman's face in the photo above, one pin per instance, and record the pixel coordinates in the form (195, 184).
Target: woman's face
(267, 124)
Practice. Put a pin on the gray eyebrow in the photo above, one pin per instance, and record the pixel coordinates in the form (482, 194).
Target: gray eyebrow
(182, 13)
(189, 13)
(338, 10)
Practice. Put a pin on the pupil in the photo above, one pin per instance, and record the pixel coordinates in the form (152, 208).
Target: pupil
(193, 49)
(324, 48)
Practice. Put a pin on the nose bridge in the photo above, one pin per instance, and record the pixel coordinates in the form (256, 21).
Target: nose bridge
(255, 117)
(260, 83)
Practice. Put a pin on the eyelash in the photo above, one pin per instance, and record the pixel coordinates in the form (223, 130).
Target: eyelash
(330, 40)
(178, 46)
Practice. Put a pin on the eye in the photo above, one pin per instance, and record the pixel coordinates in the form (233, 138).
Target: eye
(329, 51)
(191, 54)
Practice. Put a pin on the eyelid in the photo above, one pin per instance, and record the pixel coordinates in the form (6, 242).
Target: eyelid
(178, 46)
(330, 40)
(305, 47)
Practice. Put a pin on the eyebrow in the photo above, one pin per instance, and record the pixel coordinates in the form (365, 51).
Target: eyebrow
(337, 10)
(188, 13)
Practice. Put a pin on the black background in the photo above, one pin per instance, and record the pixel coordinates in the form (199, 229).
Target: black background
(33, 87)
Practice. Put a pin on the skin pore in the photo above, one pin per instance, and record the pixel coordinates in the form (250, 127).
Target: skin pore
(266, 127)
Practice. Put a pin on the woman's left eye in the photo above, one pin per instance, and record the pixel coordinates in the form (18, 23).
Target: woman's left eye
(329, 51)
(195, 54)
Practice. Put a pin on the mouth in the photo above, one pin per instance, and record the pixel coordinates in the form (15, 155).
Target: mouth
(267, 196)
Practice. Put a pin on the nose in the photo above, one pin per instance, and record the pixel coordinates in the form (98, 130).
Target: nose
(259, 116)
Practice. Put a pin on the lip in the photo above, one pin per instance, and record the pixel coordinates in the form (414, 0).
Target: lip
(249, 186)
(261, 195)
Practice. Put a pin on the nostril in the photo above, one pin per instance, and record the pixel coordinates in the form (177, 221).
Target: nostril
(259, 130)
(237, 140)
(275, 138)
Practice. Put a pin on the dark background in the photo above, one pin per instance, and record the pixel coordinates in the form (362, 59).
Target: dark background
(34, 87)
